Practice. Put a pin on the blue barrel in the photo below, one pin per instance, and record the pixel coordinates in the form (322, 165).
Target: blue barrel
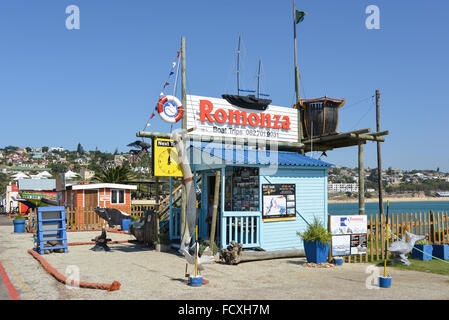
(124, 223)
(384, 282)
(19, 226)
(196, 281)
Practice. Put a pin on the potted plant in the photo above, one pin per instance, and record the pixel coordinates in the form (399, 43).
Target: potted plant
(422, 250)
(19, 223)
(316, 242)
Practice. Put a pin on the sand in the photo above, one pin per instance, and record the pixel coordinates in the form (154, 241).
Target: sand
(146, 274)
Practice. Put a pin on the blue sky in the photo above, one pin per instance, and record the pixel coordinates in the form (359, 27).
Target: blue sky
(99, 84)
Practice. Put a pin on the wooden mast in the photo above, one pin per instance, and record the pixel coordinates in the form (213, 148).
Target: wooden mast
(238, 67)
(184, 127)
(258, 79)
(379, 155)
(297, 79)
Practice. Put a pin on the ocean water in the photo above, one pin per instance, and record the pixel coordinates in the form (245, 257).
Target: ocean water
(372, 208)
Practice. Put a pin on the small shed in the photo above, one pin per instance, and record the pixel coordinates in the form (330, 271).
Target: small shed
(266, 196)
(108, 195)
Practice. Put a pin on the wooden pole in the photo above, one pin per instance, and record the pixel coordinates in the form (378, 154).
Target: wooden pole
(386, 239)
(297, 87)
(156, 211)
(215, 209)
(379, 155)
(361, 178)
(184, 126)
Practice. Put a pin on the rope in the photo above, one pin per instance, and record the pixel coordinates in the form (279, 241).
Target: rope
(164, 85)
(372, 106)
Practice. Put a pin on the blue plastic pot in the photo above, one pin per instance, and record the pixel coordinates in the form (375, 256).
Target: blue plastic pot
(19, 226)
(441, 251)
(124, 223)
(419, 255)
(384, 282)
(196, 281)
(338, 261)
(316, 252)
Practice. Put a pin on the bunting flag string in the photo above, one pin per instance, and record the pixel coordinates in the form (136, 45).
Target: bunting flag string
(167, 83)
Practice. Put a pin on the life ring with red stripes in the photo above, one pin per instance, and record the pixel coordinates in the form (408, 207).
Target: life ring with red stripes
(170, 109)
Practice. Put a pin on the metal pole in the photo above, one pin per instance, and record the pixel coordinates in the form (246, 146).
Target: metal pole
(379, 154)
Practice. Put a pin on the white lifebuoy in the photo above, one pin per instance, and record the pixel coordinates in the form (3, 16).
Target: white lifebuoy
(170, 109)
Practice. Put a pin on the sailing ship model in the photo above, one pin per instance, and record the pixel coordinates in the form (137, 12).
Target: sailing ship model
(249, 101)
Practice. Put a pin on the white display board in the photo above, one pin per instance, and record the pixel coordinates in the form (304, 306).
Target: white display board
(349, 234)
(217, 117)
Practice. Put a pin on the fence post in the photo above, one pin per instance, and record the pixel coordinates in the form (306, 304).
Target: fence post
(432, 226)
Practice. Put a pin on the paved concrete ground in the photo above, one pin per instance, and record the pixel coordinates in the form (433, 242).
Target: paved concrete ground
(147, 274)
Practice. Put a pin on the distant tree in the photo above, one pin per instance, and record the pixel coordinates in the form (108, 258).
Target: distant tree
(44, 149)
(10, 149)
(117, 174)
(116, 151)
(28, 149)
(58, 167)
(4, 181)
(80, 149)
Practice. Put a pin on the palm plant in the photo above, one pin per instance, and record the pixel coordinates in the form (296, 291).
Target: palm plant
(117, 174)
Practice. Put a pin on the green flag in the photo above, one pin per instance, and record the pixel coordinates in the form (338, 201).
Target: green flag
(299, 16)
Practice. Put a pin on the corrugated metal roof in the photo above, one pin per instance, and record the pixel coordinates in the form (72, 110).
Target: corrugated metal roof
(245, 155)
(37, 184)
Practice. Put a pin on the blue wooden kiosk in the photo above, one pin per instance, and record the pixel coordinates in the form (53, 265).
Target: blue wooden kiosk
(266, 196)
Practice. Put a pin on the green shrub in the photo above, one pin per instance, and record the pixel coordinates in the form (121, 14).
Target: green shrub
(316, 232)
(19, 217)
(205, 244)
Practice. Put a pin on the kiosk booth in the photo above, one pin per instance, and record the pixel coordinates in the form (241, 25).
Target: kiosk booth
(266, 195)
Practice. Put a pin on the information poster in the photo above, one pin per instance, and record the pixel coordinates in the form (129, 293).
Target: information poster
(279, 202)
(348, 234)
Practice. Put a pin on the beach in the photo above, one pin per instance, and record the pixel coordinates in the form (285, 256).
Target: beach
(391, 199)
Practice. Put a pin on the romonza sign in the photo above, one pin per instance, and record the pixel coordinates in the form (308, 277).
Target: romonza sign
(217, 117)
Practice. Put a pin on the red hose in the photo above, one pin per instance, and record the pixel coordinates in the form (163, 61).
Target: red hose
(52, 271)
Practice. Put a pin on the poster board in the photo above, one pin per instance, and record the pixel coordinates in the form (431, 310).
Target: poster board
(349, 234)
(165, 159)
(279, 202)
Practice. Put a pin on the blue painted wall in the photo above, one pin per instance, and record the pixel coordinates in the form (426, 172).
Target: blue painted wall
(311, 201)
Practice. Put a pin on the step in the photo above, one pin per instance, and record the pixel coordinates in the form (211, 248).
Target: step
(52, 220)
(53, 239)
(57, 229)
